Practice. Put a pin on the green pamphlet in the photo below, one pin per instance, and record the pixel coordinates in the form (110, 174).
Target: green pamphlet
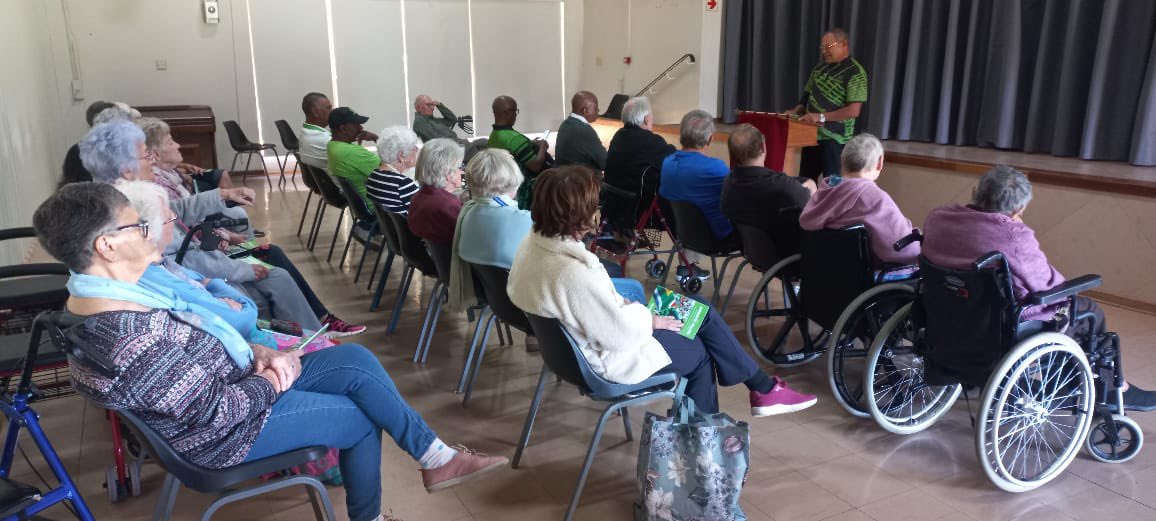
(238, 249)
(255, 261)
(664, 302)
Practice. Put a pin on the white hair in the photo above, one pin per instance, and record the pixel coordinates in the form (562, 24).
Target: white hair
(491, 172)
(437, 160)
(635, 110)
(110, 149)
(696, 129)
(394, 141)
(150, 201)
(862, 152)
(156, 130)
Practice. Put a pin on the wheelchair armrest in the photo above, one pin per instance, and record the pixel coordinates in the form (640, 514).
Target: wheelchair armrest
(1063, 291)
(618, 192)
(914, 236)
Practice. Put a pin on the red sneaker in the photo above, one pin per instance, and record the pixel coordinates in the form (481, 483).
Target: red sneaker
(466, 465)
(339, 328)
(780, 400)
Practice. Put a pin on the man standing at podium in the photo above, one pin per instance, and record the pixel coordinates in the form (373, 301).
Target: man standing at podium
(832, 98)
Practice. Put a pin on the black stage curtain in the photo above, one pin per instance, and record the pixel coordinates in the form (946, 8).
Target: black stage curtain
(1063, 77)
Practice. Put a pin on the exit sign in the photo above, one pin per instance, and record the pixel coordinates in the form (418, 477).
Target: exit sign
(712, 5)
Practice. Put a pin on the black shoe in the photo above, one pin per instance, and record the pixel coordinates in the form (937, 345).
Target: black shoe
(699, 273)
(1137, 399)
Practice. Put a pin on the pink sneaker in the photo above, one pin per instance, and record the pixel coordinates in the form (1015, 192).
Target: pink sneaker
(339, 328)
(466, 465)
(780, 400)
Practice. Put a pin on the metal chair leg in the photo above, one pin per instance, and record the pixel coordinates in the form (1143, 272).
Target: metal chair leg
(441, 298)
(435, 297)
(477, 362)
(349, 240)
(501, 335)
(376, 263)
(167, 499)
(301, 225)
(245, 174)
(590, 459)
(720, 279)
(531, 415)
(318, 219)
(734, 282)
(625, 412)
(381, 282)
(406, 277)
(336, 232)
(365, 251)
(481, 325)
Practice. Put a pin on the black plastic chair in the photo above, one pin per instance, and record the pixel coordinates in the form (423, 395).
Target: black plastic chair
(223, 483)
(416, 259)
(332, 196)
(392, 248)
(695, 234)
(562, 357)
(492, 280)
(309, 177)
(361, 214)
(242, 145)
(292, 146)
(759, 252)
(837, 267)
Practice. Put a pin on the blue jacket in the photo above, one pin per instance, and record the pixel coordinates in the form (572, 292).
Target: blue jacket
(698, 179)
(188, 287)
(491, 232)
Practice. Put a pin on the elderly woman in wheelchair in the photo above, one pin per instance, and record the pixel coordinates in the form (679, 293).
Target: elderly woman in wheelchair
(852, 267)
(193, 378)
(991, 313)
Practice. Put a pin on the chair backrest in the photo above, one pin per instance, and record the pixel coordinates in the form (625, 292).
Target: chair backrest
(966, 317)
(328, 190)
(758, 247)
(385, 224)
(354, 201)
(412, 248)
(694, 230)
(565, 359)
(237, 138)
(493, 281)
(309, 177)
(836, 267)
(440, 253)
(288, 138)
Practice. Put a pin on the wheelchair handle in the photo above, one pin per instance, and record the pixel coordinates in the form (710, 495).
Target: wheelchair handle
(914, 236)
(206, 225)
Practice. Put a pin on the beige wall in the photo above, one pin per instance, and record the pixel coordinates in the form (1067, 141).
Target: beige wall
(1081, 231)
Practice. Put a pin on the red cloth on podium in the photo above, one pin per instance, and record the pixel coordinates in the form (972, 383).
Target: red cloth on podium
(775, 131)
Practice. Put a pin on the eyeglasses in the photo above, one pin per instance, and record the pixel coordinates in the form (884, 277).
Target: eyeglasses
(142, 228)
(828, 46)
(169, 221)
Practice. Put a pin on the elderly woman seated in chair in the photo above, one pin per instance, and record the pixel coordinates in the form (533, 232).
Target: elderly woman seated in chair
(433, 211)
(211, 395)
(554, 276)
(956, 235)
(853, 198)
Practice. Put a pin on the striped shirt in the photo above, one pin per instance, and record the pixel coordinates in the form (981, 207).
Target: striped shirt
(831, 87)
(391, 190)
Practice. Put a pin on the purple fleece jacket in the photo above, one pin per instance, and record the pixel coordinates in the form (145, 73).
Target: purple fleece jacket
(955, 236)
(860, 201)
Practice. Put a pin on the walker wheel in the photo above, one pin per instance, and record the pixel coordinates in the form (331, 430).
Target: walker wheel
(134, 471)
(114, 487)
(1115, 443)
(692, 285)
(655, 268)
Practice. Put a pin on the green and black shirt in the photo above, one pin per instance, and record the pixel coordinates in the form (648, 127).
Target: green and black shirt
(832, 86)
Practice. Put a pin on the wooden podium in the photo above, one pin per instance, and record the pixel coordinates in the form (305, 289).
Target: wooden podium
(786, 136)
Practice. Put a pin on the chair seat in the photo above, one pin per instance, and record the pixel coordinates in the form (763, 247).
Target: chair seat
(16, 496)
(213, 481)
(609, 391)
(256, 146)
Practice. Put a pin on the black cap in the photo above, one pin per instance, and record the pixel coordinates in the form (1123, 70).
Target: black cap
(344, 115)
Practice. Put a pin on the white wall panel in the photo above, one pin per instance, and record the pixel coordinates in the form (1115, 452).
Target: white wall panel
(291, 52)
(437, 40)
(368, 45)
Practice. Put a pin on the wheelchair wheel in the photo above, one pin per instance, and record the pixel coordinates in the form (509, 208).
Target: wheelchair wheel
(851, 340)
(115, 491)
(655, 268)
(898, 398)
(770, 319)
(1035, 413)
(134, 471)
(692, 285)
(1115, 441)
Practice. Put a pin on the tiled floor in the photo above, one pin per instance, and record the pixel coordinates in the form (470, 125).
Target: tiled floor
(820, 464)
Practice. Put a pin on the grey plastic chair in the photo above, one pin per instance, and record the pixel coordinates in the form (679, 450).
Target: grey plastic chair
(563, 358)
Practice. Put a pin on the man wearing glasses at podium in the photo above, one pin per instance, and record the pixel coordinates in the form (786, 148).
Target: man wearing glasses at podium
(832, 98)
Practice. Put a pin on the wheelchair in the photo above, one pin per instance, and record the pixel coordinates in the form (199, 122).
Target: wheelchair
(1041, 389)
(836, 300)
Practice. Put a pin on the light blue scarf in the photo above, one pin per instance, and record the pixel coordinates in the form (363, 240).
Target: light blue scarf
(89, 286)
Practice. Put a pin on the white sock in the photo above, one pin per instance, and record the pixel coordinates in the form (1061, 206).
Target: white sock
(437, 455)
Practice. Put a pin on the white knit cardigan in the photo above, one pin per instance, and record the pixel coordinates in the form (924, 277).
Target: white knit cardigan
(558, 278)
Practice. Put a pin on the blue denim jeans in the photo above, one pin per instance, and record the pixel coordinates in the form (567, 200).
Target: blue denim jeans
(345, 399)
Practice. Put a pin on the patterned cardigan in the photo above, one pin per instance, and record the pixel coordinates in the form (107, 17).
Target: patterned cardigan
(179, 380)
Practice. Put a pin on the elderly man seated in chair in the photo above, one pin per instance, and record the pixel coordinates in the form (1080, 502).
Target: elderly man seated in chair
(957, 235)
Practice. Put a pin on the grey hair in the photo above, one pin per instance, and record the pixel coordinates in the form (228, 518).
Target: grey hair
(393, 141)
(118, 111)
(861, 153)
(109, 150)
(635, 110)
(155, 131)
(696, 129)
(150, 201)
(437, 160)
(1002, 189)
(491, 172)
(70, 220)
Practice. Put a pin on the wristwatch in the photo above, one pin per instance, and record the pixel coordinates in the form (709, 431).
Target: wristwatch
(822, 118)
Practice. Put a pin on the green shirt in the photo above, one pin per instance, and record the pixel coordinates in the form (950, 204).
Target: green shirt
(524, 151)
(352, 162)
(429, 127)
(831, 87)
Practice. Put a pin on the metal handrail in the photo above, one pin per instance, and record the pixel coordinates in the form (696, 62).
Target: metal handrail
(666, 73)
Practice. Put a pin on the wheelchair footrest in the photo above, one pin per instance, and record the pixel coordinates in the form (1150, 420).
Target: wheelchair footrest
(16, 496)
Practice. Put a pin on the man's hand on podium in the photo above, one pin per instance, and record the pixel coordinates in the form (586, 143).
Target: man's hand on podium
(810, 117)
